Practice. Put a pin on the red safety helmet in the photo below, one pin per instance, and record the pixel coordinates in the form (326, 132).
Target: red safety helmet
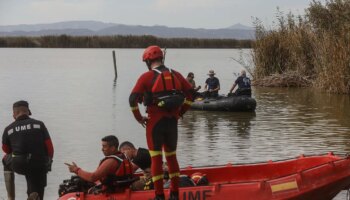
(152, 53)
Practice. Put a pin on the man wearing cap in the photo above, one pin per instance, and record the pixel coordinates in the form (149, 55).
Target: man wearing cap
(28, 143)
(212, 85)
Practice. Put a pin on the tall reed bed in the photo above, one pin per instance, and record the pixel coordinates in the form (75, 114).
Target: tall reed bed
(306, 51)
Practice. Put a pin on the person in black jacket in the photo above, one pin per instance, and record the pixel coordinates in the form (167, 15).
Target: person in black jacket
(244, 87)
(28, 144)
(140, 159)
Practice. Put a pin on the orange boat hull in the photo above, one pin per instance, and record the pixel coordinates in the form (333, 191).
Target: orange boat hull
(306, 177)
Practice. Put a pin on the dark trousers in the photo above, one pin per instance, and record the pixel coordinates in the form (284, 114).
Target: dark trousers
(208, 94)
(243, 91)
(34, 170)
(36, 182)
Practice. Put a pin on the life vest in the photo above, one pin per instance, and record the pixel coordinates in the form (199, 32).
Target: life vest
(165, 81)
(166, 91)
(123, 173)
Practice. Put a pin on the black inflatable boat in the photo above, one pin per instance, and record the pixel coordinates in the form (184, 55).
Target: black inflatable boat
(222, 103)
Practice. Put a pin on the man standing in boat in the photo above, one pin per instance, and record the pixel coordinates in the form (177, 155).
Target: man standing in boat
(30, 148)
(244, 87)
(212, 85)
(167, 95)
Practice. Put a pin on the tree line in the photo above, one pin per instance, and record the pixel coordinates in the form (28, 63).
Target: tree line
(119, 41)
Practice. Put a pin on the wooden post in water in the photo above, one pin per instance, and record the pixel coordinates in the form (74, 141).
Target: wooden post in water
(115, 66)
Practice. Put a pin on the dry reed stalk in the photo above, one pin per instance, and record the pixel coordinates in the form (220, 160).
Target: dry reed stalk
(313, 52)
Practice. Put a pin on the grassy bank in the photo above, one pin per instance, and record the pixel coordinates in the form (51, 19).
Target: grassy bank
(306, 51)
(119, 41)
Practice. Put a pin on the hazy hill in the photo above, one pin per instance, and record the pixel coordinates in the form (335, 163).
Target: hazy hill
(84, 28)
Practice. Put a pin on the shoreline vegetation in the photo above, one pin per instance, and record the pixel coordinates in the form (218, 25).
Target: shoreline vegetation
(299, 51)
(119, 41)
(310, 51)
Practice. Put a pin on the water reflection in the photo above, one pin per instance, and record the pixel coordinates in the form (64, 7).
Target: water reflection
(306, 101)
(287, 122)
(214, 132)
(310, 120)
(239, 121)
(238, 124)
(114, 105)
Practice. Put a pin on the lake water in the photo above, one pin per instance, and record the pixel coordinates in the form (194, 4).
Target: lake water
(73, 92)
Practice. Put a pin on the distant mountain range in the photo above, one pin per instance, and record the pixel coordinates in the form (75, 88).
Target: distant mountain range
(88, 28)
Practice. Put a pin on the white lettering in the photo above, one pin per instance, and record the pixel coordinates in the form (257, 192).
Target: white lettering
(23, 128)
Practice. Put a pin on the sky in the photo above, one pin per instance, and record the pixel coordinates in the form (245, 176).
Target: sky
(172, 13)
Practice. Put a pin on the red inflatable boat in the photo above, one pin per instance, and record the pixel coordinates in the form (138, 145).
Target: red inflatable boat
(305, 177)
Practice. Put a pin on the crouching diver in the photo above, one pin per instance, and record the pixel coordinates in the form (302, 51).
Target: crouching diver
(167, 96)
(113, 168)
(29, 152)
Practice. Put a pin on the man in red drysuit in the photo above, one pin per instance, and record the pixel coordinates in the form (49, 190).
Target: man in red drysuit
(167, 96)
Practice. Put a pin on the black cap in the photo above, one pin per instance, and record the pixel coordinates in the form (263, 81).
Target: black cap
(22, 103)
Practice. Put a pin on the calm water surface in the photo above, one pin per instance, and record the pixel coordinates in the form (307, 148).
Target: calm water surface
(73, 92)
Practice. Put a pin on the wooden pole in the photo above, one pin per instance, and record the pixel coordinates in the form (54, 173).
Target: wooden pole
(115, 66)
